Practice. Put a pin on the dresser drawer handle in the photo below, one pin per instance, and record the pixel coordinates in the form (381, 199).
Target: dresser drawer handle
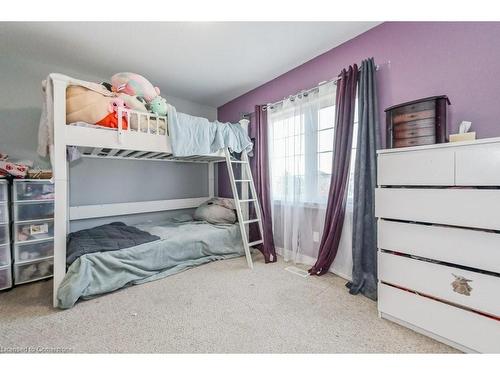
(461, 285)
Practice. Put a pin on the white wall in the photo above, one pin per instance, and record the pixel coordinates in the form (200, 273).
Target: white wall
(20, 108)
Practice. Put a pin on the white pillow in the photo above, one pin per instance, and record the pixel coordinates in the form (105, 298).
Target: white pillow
(215, 211)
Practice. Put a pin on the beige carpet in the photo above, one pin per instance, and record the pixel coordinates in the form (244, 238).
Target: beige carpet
(220, 307)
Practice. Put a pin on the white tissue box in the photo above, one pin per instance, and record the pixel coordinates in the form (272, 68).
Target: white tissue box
(460, 137)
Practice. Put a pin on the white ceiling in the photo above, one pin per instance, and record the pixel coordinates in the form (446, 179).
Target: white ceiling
(205, 62)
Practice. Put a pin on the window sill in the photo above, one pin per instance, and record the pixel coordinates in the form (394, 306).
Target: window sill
(311, 205)
(319, 206)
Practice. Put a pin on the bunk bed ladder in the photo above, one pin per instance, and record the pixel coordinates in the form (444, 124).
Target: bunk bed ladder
(243, 220)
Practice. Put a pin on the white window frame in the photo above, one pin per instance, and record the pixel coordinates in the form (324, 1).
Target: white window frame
(312, 174)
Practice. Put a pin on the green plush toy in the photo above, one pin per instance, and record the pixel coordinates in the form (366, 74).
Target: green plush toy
(158, 106)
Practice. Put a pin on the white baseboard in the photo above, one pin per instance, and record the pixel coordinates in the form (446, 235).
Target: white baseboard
(308, 260)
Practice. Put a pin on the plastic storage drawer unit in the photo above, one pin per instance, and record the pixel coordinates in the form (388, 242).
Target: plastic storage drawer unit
(32, 190)
(33, 250)
(33, 230)
(24, 211)
(4, 255)
(5, 277)
(32, 271)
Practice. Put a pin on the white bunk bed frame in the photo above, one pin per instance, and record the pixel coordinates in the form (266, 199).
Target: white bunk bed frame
(129, 144)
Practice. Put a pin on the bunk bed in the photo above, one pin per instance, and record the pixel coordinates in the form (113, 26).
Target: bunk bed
(145, 142)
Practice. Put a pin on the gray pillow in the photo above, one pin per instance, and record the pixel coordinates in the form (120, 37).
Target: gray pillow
(214, 212)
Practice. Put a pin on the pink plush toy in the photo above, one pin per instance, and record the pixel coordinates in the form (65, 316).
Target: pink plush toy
(115, 103)
(111, 120)
(135, 85)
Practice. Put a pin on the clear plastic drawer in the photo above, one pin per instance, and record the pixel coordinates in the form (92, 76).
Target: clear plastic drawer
(5, 277)
(4, 186)
(24, 252)
(32, 190)
(32, 271)
(4, 255)
(33, 230)
(4, 212)
(4, 234)
(24, 211)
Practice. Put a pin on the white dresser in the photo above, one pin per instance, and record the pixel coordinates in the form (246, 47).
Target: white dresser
(438, 210)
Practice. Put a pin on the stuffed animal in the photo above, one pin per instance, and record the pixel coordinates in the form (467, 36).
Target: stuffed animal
(158, 106)
(111, 120)
(135, 103)
(115, 104)
(136, 85)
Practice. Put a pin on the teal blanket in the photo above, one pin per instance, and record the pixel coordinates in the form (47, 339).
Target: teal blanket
(191, 135)
(182, 245)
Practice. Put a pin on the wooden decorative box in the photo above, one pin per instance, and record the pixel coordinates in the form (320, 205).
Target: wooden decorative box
(416, 123)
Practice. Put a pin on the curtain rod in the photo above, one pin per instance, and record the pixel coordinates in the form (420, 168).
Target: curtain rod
(312, 89)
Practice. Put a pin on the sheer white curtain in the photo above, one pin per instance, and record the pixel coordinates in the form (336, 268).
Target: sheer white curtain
(301, 133)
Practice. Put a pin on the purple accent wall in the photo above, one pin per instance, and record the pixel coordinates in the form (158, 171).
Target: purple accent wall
(458, 59)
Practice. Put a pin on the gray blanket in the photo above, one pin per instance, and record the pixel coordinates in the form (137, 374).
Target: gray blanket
(108, 237)
(182, 245)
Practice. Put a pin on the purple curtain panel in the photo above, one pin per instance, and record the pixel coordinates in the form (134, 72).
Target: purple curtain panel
(337, 196)
(259, 165)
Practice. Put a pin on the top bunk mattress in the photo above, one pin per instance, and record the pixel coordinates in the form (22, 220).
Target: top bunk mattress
(181, 245)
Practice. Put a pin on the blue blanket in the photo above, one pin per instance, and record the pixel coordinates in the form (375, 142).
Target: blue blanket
(193, 135)
(182, 245)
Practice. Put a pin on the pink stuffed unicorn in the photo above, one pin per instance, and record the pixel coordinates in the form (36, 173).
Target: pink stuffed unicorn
(135, 85)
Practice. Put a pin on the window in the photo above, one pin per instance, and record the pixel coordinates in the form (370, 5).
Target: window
(325, 151)
(301, 149)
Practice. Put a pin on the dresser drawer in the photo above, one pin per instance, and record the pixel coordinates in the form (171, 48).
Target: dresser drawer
(412, 116)
(418, 168)
(476, 208)
(419, 141)
(4, 213)
(467, 329)
(416, 107)
(4, 192)
(416, 132)
(28, 190)
(33, 271)
(472, 248)
(4, 255)
(24, 211)
(474, 290)
(5, 277)
(33, 230)
(478, 165)
(413, 125)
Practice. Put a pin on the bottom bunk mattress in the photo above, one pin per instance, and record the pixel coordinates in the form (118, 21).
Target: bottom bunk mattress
(182, 245)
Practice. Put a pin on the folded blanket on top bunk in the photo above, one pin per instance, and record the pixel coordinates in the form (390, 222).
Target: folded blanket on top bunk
(193, 135)
(182, 245)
